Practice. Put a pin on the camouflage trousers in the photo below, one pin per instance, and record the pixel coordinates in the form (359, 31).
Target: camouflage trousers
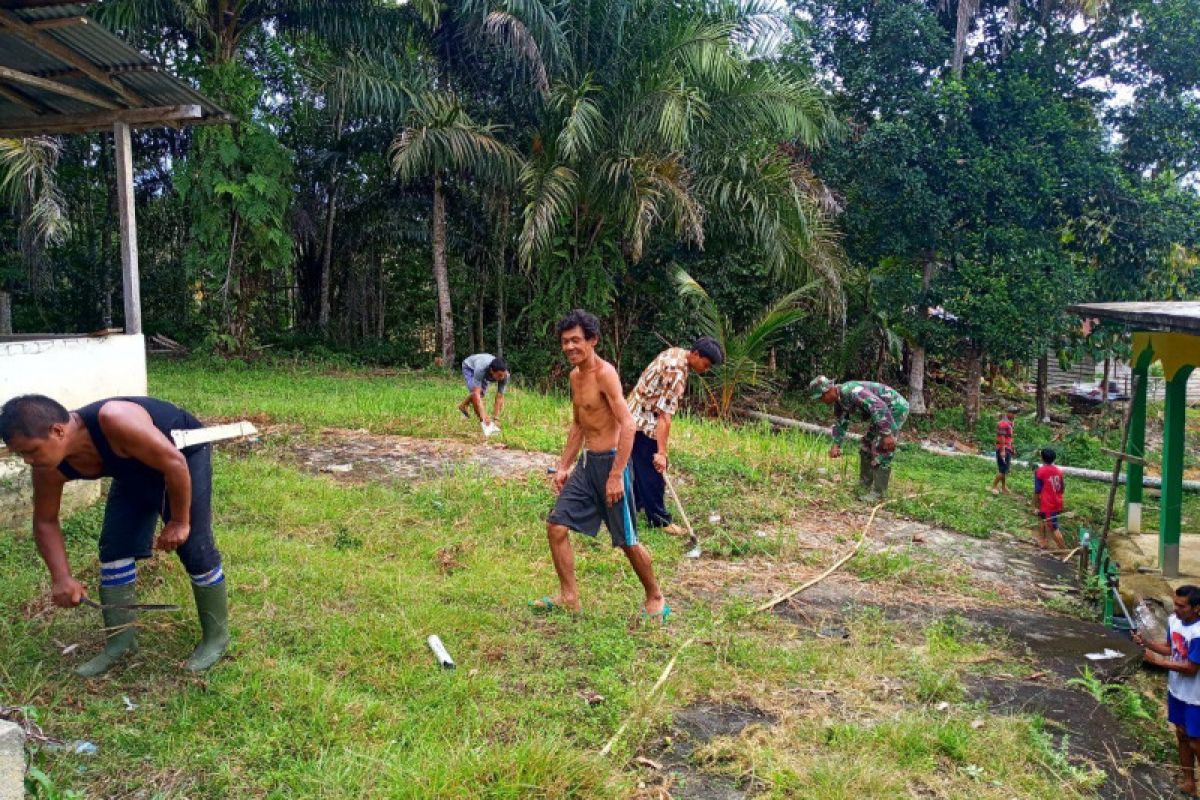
(871, 449)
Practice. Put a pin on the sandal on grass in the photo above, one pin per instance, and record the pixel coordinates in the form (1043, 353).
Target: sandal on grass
(545, 606)
(661, 616)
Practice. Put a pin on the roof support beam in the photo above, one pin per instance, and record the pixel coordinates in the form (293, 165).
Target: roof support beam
(129, 245)
(44, 41)
(28, 103)
(103, 120)
(58, 22)
(25, 79)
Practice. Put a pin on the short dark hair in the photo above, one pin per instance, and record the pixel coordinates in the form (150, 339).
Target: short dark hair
(707, 347)
(498, 365)
(1192, 593)
(1048, 455)
(31, 416)
(578, 318)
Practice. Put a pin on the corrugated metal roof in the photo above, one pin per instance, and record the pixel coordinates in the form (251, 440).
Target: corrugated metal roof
(27, 103)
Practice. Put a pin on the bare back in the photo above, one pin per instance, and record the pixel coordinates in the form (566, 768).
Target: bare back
(596, 400)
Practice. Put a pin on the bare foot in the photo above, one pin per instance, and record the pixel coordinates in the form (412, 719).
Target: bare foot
(654, 605)
(995, 491)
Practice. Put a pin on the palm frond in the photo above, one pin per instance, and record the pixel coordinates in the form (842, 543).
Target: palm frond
(510, 33)
(552, 192)
(27, 182)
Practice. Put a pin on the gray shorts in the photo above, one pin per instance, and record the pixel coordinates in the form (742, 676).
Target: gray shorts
(582, 506)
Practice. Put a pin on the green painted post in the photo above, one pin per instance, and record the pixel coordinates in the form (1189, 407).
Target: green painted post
(1136, 447)
(1171, 505)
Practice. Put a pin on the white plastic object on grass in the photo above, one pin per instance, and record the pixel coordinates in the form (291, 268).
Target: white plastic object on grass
(439, 650)
(490, 429)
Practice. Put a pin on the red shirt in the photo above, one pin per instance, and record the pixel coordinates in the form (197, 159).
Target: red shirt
(1048, 485)
(1004, 435)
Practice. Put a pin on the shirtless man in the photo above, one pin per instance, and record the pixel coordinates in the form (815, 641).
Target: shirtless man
(599, 487)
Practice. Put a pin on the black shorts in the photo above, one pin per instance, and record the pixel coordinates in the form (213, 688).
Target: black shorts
(1003, 461)
(1050, 517)
(132, 512)
(582, 505)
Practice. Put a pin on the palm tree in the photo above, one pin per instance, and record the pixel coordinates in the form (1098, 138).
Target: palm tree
(441, 139)
(27, 184)
(743, 372)
(669, 118)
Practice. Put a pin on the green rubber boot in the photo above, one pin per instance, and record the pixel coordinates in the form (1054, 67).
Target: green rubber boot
(879, 485)
(864, 472)
(120, 627)
(212, 605)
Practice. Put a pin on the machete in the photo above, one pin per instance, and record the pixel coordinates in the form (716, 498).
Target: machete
(87, 601)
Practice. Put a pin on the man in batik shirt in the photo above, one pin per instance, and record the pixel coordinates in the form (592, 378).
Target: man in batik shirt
(653, 403)
(882, 408)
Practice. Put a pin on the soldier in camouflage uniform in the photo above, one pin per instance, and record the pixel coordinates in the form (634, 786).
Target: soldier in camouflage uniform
(883, 408)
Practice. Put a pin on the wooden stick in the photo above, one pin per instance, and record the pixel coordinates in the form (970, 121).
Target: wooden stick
(662, 679)
(1116, 480)
(692, 540)
(849, 555)
(1125, 457)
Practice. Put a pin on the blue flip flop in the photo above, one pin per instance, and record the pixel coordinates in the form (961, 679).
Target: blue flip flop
(662, 616)
(544, 606)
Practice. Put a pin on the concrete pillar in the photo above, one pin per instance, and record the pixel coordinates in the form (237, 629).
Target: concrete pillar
(129, 246)
(1171, 505)
(1136, 447)
(12, 761)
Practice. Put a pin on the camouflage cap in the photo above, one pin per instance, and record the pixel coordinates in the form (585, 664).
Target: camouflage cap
(819, 386)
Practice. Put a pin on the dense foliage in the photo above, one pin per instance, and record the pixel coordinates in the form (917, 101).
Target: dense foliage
(410, 182)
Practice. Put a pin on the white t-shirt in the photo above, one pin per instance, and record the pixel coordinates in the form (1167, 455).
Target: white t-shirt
(1185, 646)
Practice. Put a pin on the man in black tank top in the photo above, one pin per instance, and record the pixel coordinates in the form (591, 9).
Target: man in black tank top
(126, 439)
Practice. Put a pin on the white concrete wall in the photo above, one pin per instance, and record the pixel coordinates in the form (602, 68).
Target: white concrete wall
(74, 371)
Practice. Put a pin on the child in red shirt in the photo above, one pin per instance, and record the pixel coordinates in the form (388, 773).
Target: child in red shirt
(1004, 452)
(1048, 499)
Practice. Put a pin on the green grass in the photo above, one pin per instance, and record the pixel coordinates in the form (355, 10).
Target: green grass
(331, 691)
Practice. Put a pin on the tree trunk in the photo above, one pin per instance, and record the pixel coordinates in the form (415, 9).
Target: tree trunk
(327, 259)
(327, 245)
(479, 297)
(500, 306)
(6, 327)
(974, 378)
(1104, 383)
(440, 274)
(916, 369)
(966, 16)
(1043, 381)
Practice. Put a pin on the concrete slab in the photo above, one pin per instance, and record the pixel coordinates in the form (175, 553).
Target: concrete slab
(1132, 551)
(12, 761)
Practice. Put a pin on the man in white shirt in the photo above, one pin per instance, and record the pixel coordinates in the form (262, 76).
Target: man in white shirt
(1180, 656)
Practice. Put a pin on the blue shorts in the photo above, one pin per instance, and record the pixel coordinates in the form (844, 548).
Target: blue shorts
(1184, 715)
(469, 379)
(1052, 518)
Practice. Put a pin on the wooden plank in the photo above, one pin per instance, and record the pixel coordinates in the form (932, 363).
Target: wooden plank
(48, 44)
(25, 79)
(217, 433)
(102, 120)
(17, 5)
(61, 22)
(28, 103)
(128, 217)
(1117, 454)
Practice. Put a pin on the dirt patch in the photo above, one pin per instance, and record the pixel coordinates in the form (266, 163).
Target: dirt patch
(693, 727)
(359, 457)
(1091, 732)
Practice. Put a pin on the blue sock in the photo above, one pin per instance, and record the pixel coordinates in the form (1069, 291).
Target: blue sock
(118, 573)
(214, 576)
